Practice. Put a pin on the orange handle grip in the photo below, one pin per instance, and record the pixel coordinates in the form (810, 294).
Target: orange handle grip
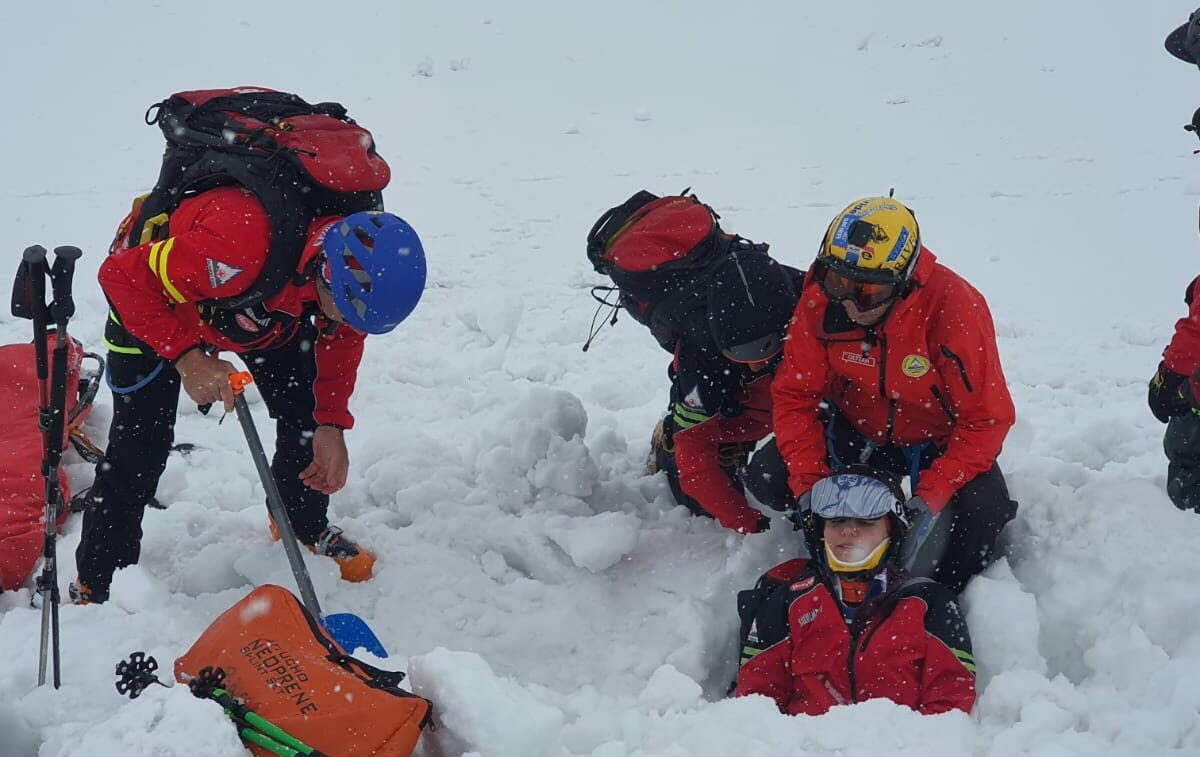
(240, 381)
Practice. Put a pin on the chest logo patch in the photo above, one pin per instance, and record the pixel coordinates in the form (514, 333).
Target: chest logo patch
(220, 273)
(802, 585)
(693, 400)
(914, 366)
(246, 323)
(859, 358)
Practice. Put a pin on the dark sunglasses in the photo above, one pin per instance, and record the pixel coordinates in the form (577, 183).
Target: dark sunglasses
(865, 294)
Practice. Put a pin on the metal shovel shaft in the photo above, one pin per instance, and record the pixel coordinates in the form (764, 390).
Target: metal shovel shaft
(276, 507)
(348, 630)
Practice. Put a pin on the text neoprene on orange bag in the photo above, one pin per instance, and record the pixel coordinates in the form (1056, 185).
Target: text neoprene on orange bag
(286, 668)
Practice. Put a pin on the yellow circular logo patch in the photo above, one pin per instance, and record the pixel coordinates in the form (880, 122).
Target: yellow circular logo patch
(914, 366)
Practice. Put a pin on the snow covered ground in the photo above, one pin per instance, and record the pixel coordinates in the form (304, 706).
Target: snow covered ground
(546, 595)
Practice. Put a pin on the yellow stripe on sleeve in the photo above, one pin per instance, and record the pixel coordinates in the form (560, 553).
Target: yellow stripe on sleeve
(162, 268)
(154, 248)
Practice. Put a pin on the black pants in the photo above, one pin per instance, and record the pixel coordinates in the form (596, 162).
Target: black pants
(956, 548)
(143, 430)
(1182, 445)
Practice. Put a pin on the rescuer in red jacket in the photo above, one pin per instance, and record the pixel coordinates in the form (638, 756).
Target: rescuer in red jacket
(848, 624)
(1175, 387)
(720, 403)
(1172, 400)
(358, 274)
(891, 360)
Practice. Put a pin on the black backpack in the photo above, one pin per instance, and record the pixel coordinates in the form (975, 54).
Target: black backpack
(300, 161)
(659, 253)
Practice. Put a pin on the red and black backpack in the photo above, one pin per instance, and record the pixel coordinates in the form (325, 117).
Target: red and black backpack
(659, 252)
(300, 161)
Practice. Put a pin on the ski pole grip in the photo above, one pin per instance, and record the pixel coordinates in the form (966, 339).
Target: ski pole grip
(60, 278)
(35, 268)
(32, 261)
(239, 381)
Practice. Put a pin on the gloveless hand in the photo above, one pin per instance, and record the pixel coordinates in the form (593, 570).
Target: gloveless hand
(206, 378)
(331, 462)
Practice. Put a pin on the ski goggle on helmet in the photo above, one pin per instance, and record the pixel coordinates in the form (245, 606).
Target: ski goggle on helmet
(374, 269)
(869, 252)
(859, 497)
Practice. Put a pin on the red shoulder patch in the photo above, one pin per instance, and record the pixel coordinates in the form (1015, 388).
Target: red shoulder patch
(788, 571)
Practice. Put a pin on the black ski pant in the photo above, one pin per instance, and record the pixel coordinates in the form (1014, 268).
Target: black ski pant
(956, 547)
(1182, 445)
(143, 431)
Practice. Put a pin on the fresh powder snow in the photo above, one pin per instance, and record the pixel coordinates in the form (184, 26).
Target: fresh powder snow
(539, 588)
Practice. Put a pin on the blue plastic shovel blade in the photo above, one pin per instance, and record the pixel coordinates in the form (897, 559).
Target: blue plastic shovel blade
(351, 632)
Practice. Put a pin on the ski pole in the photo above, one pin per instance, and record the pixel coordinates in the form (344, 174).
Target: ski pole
(209, 683)
(35, 271)
(62, 307)
(136, 674)
(29, 301)
(260, 730)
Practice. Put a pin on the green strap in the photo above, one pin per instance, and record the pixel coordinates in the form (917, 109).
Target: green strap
(966, 658)
(277, 733)
(685, 417)
(266, 728)
(112, 316)
(123, 350)
(268, 743)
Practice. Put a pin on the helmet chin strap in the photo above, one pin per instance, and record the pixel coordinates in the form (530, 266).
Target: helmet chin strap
(867, 563)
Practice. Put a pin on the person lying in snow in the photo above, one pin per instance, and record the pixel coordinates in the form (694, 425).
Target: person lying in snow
(847, 624)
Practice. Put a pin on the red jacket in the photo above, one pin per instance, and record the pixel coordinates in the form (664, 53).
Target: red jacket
(218, 245)
(697, 455)
(911, 645)
(930, 373)
(1182, 355)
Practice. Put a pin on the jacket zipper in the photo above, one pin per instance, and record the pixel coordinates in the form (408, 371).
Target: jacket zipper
(883, 367)
(945, 405)
(962, 369)
(879, 611)
(853, 654)
(891, 416)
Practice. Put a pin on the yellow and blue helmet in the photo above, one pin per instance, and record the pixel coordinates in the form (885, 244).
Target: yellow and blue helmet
(874, 239)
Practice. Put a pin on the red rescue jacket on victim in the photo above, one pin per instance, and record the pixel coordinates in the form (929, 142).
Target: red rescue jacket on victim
(908, 644)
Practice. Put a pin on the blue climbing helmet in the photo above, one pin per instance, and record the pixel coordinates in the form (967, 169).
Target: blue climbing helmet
(375, 269)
